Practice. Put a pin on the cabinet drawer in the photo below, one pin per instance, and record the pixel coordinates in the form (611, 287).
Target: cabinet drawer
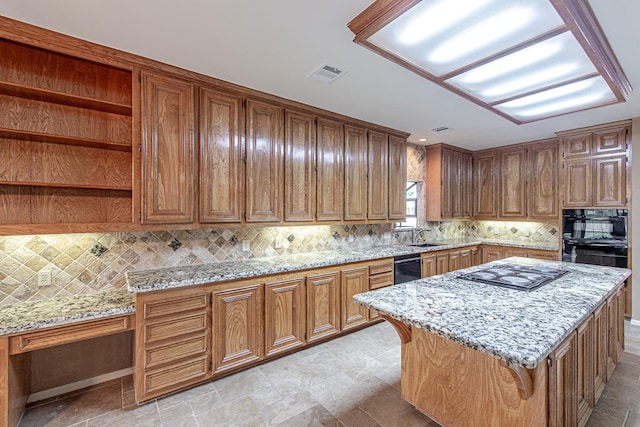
(67, 334)
(174, 306)
(380, 280)
(175, 351)
(387, 267)
(173, 377)
(175, 327)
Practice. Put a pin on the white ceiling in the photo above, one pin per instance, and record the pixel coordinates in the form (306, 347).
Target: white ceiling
(272, 45)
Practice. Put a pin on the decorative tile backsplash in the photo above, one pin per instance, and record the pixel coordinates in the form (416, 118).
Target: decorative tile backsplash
(97, 262)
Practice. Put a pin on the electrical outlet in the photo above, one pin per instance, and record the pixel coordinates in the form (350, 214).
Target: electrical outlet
(246, 245)
(351, 238)
(496, 231)
(44, 278)
(526, 233)
(277, 243)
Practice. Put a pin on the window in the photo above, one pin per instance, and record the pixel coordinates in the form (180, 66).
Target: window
(412, 206)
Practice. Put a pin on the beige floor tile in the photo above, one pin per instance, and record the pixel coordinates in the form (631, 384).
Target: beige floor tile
(288, 407)
(633, 420)
(138, 416)
(75, 409)
(185, 396)
(598, 419)
(240, 385)
(205, 402)
(389, 410)
(357, 418)
(242, 412)
(316, 416)
(180, 415)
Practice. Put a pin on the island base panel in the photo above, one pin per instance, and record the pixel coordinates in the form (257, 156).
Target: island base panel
(459, 386)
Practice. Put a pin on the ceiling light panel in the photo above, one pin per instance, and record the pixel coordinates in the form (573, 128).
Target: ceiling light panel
(460, 32)
(521, 59)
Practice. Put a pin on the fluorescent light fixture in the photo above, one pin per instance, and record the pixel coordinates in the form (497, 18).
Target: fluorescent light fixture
(497, 53)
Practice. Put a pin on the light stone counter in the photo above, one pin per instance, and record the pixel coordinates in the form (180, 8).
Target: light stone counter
(516, 326)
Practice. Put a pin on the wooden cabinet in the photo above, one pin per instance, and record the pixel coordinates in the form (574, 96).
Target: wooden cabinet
(380, 276)
(585, 370)
(448, 183)
(355, 173)
(442, 263)
(476, 256)
(600, 350)
(221, 154)
(378, 176)
(172, 340)
(491, 254)
(299, 164)
(397, 178)
(485, 185)
(454, 260)
(563, 384)
(595, 166)
(542, 254)
(323, 305)
(513, 183)
(542, 188)
(465, 258)
(168, 150)
(237, 327)
(353, 281)
(65, 143)
(495, 252)
(429, 265)
(264, 168)
(330, 170)
(507, 252)
(284, 315)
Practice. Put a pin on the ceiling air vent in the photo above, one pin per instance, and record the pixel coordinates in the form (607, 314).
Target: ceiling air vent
(326, 73)
(442, 129)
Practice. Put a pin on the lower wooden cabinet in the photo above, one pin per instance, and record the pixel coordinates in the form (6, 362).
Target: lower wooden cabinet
(495, 252)
(600, 350)
(237, 327)
(323, 305)
(491, 254)
(428, 265)
(563, 379)
(441, 262)
(353, 281)
(380, 276)
(284, 320)
(586, 370)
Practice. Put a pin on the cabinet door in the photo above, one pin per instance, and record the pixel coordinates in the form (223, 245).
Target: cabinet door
(485, 169)
(455, 185)
(264, 168)
(330, 170)
(397, 178)
(323, 306)
(377, 193)
(221, 169)
(609, 181)
(542, 254)
(446, 183)
(237, 328)
(284, 316)
(611, 141)
(578, 183)
(515, 252)
(429, 265)
(299, 164)
(577, 145)
(454, 260)
(354, 281)
(612, 335)
(601, 350)
(465, 258)
(543, 181)
(563, 384)
(467, 185)
(491, 254)
(586, 370)
(476, 256)
(168, 151)
(355, 173)
(620, 296)
(442, 263)
(513, 184)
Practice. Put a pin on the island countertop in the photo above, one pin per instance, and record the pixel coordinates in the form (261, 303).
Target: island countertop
(176, 277)
(516, 326)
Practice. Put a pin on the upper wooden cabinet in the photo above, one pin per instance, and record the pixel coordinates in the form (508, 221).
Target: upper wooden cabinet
(330, 170)
(265, 146)
(397, 178)
(513, 183)
(378, 186)
(485, 184)
(542, 189)
(221, 153)
(595, 166)
(355, 173)
(168, 150)
(448, 184)
(299, 161)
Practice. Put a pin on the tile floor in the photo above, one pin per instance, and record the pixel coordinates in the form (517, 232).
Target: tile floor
(351, 381)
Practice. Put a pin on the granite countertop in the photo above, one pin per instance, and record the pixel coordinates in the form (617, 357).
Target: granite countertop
(516, 326)
(28, 316)
(176, 277)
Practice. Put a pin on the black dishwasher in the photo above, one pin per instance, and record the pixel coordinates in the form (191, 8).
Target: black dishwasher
(406, 268)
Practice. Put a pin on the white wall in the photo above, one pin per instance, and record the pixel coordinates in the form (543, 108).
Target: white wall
(635, 217)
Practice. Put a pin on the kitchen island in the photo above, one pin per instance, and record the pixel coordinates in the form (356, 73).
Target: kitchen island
(477, 354)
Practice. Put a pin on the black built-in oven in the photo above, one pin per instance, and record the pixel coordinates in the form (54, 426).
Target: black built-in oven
(406, 268)
(595, 236)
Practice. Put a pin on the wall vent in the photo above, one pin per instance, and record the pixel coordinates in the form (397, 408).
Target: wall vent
(442, 129)
(326, 73)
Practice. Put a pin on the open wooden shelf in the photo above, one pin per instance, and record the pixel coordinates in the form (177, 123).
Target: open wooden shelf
(66, 185)
(46, 95)
(63, 139)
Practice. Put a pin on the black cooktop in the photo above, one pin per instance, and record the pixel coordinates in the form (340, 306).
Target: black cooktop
(514, 276)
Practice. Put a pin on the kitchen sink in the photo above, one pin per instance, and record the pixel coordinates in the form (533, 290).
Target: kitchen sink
(425, 245)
